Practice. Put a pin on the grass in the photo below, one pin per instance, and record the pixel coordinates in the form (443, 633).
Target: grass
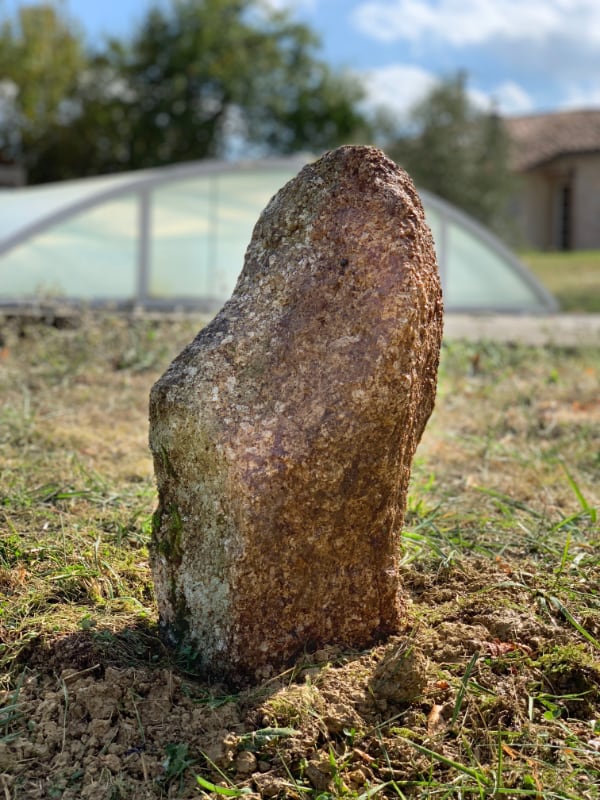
(572, 277)
(492, 691)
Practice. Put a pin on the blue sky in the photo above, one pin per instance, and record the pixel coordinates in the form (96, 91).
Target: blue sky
(524, 55)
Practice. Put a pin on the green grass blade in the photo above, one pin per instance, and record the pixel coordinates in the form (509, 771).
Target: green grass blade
(227, 791)
(9, 713)
(565, 556)
(463, 687)
(373, 791)
(533, 793)
(510, 501)
(222, 790)
(579, 494)
(571, 619)
(472, 773)
(500, 765)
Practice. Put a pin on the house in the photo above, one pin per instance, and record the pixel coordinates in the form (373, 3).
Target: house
(557, 157)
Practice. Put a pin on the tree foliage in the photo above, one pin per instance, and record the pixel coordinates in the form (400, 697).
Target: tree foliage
(198, 78)
(460, 153)
(41, 57)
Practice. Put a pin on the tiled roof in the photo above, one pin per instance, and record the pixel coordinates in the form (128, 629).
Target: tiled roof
(539, 138)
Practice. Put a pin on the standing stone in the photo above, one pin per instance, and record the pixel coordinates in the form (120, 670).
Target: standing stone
(283, 435)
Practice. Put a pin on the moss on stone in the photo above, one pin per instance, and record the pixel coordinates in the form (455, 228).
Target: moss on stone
(167, 533)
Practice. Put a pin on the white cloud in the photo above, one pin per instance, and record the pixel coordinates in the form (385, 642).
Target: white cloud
(475, 22)
(510, 98)
(580, 96)
(398, 87)
(507, 98)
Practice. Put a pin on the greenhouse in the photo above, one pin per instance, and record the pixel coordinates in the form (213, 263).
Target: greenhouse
(175, 237)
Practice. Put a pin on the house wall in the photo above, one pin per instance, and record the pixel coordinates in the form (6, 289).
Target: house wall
(534, 211)
(545, 205)
(586, 203)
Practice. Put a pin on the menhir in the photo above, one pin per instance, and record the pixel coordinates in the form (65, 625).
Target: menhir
(283, 435)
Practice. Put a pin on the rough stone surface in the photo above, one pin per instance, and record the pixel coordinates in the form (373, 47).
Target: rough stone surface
(283, 435)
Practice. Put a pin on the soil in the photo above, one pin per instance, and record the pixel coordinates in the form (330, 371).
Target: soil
(87, 726)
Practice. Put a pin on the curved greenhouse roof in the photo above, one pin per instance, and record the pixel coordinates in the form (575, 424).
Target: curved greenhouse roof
(176, 237)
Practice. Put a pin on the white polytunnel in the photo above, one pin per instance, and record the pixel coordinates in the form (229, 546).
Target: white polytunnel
(175, 237)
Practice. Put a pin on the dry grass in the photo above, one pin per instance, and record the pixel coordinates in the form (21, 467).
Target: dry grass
(493, 690)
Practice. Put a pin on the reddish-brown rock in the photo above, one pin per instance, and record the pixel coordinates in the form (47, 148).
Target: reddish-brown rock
(283, 435)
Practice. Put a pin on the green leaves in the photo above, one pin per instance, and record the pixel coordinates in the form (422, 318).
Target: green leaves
(195, 76)
(458, 152)
(41, 53)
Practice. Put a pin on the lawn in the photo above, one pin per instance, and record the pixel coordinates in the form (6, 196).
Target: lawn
(573, 278)
(492, 689)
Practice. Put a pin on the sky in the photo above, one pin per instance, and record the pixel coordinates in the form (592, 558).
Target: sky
(522, 56)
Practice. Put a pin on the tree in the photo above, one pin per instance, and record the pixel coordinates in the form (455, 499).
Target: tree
(41, 57)
(197, 80)
(459, 152)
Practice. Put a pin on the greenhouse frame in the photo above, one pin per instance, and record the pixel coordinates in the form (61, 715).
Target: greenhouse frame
(174, 238)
